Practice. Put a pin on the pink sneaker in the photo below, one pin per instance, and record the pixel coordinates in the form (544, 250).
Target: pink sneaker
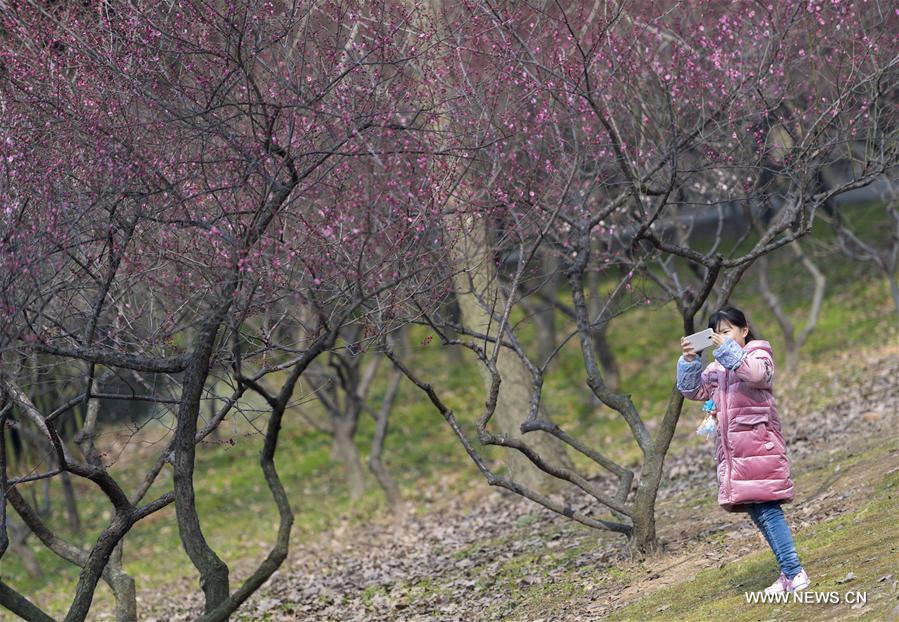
(778, 586)
(798, 583)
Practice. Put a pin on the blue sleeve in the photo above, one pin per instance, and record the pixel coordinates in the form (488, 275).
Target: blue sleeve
(688, 374)
(729, 354)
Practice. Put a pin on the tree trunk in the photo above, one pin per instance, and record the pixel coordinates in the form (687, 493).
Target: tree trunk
(71, 504)
(477, 278)
(18, 544)
(122, 587)
(214, 573)
(606, 358)
(455, 353)
(793, 343)
(375, 461)
(643, 538)
(348, 454)
(546, 317)
(894, 289)
(610, 373)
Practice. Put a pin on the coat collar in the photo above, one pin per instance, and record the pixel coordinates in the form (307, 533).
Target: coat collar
(758, 344)
(755, 344)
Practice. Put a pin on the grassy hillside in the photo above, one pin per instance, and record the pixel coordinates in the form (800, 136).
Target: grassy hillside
(862, 542)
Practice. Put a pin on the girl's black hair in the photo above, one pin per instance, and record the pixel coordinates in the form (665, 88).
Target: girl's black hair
(734, 316)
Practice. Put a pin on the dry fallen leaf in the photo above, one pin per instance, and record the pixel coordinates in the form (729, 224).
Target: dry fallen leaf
(849, 577)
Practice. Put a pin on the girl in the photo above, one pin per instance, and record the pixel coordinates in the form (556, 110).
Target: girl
(753, 469)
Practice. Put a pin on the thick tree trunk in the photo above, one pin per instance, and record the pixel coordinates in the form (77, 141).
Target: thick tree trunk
(643, 538)
(477, 279)
(214, 574)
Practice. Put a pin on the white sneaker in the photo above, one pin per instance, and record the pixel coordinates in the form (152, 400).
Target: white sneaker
(799, 582)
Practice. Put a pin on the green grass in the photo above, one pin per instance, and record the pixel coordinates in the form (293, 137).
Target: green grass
(236, 510)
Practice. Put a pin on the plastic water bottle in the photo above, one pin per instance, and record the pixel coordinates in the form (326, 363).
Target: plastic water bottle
(709, 426)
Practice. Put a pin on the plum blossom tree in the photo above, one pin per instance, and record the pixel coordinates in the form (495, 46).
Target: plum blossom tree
(196, 199)
(601, 120)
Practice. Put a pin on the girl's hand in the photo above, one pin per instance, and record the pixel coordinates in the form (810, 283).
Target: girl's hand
(687, 347)
(718, 339)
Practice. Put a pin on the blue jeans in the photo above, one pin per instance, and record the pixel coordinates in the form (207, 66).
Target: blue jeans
(769, 518)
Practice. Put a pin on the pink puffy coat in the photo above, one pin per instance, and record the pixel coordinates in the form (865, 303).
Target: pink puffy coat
(750, 451)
